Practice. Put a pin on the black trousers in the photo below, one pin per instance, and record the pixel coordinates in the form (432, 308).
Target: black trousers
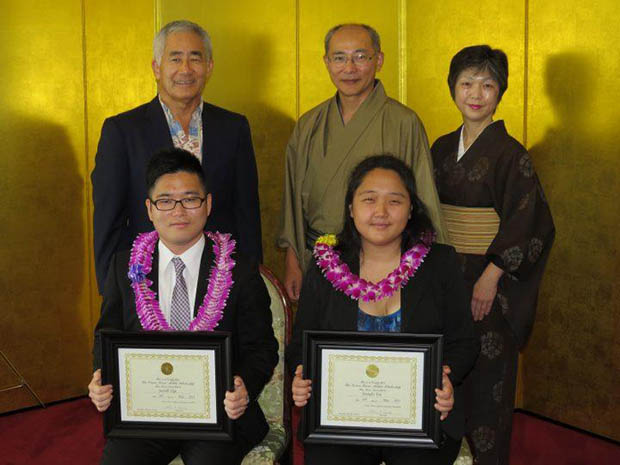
(360, 455)
(161, 452)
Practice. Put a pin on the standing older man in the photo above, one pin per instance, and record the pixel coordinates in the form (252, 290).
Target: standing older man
(177, 117)
(329, 140)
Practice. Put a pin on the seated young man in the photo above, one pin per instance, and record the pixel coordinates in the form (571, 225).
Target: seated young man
(183, 260)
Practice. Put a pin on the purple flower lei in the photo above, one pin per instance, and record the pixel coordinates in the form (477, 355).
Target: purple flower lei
(342, 279)
(220, 281)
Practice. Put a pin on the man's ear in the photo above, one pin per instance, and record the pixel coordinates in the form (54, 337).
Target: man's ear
(148, 204)
(326, 61)
(210, 65)
(155, 68)
(379, 61)
(209, 198)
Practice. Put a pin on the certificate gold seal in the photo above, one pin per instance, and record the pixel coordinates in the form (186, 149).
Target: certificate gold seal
(372, 371)
(166, 368)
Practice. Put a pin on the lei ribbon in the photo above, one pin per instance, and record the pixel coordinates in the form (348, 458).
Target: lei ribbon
(220, 281)
(340, 276)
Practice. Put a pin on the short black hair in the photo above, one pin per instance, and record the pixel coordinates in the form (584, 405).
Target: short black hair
(418, 228)
(169, 161)
(481, 58)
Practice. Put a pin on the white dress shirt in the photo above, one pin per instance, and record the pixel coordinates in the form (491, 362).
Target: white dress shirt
(167, 276)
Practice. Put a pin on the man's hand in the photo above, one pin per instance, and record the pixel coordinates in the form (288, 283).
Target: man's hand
(445, 395)
(485, 290)
(292, 275)
(301, 388)
(99, 395)
(235, 402)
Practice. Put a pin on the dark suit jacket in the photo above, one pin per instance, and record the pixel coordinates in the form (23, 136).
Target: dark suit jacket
(433, 302)
(127, 143)
(246, 315)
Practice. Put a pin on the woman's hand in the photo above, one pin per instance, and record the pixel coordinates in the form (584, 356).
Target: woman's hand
(485, 290)
(445, 395)
(301, 388)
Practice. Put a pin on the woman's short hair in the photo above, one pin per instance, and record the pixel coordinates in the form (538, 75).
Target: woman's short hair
(419, 226)
(481, 58)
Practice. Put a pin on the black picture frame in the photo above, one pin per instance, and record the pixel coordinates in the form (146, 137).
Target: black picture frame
(430, 345)
(218, 341)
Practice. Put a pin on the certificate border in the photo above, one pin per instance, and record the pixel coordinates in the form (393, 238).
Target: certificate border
(218, 341)
(430, 345)
(130, 414)
(412, 417)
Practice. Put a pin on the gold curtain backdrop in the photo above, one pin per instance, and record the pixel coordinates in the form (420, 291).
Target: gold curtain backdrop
(69, 64)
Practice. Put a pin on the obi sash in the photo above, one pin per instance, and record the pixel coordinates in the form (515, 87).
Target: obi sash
(471, 230)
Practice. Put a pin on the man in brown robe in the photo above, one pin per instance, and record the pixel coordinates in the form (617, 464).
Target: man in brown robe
(329, 140)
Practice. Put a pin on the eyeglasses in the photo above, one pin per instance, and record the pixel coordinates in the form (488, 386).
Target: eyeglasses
(359, 59)
(189, 203)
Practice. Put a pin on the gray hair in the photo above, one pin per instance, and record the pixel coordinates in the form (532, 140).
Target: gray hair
(374, 35)
(159, 43)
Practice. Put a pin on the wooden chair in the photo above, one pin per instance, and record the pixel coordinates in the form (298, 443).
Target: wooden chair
(275, 400)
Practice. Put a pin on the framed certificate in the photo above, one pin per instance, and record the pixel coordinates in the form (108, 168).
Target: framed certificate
(167, 385)
(373, 389)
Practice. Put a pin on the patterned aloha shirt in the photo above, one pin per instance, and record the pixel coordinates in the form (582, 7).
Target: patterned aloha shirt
(191, 142)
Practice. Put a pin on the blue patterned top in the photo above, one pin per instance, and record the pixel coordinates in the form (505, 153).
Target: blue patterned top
(378, 324)
(191, 142)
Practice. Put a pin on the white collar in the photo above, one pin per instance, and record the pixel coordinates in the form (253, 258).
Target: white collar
(462, 150)
(191, 257)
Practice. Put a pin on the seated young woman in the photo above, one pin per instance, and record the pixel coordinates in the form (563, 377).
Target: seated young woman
(385, 229)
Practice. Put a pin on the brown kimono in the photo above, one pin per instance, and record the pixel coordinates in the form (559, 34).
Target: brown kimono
(496, 171)
(323, 151)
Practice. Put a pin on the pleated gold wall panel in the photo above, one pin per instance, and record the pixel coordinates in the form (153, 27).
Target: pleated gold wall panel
(44, 299)
(254, 74)
(68, 64)
(119, 50)
(572, 363)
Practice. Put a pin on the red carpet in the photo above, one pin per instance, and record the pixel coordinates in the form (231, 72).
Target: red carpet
(71, 433)
(65, 433)
(538, 442)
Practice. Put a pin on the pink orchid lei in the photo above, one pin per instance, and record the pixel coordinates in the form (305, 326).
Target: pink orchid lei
(338, 273)
(220, 281)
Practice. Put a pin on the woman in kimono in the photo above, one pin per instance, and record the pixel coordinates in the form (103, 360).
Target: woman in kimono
(500, 224)
(419, 288)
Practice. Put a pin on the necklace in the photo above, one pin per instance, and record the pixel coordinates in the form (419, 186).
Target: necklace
(340, 276)
(220, 281)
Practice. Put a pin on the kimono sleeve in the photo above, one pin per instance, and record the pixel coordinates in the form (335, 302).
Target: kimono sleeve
(291, 221)
(526, 229)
